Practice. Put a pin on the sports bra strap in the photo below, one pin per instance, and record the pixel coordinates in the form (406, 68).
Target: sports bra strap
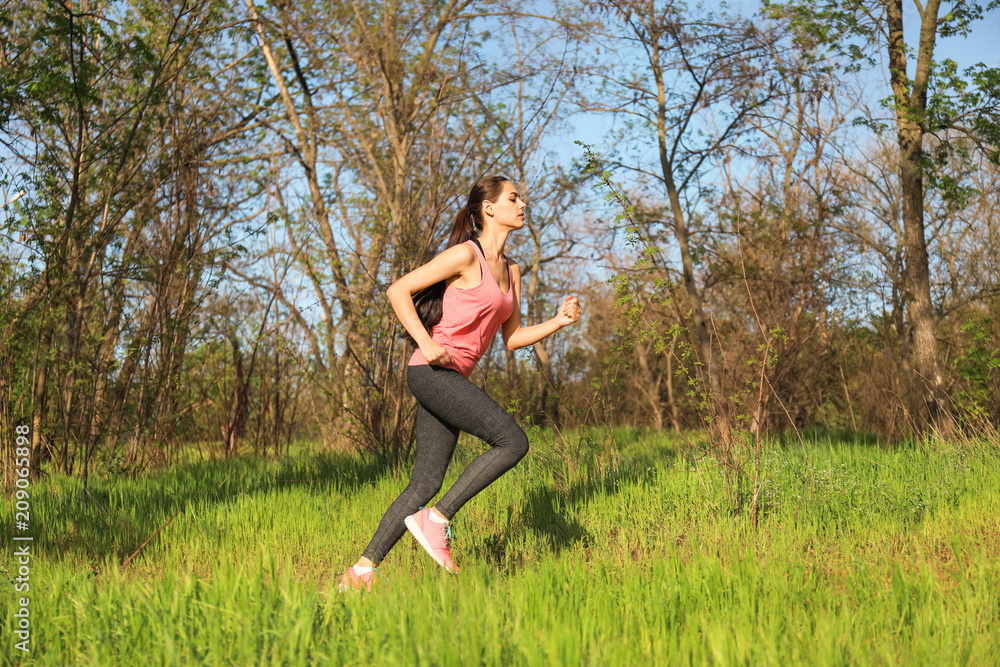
(479, 245)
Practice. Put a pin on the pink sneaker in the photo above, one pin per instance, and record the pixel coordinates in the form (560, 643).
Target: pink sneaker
(434, 537)
(361, 582)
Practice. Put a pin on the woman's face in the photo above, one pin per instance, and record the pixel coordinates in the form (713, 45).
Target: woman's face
(508, 210)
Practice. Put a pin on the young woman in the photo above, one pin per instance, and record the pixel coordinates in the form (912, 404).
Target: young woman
(482, 293)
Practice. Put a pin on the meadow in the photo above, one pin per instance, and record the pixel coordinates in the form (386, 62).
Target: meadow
(864, 554)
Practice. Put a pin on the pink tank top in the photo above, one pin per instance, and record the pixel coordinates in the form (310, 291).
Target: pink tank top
(470, 318)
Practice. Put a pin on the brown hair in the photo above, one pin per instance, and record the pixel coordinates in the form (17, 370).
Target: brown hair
(468, 225)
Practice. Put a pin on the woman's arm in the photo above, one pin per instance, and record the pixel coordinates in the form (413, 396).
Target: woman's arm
(515, 336)
(457, 260)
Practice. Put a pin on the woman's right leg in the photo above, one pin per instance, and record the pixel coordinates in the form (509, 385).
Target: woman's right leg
(467, 407)
(435, 444)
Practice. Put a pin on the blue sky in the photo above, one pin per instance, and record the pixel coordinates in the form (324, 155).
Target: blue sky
(983, 45)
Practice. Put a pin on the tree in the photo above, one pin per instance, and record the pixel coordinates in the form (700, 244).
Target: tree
(522, 120)
(780, 264)
(115, 117)
(374, 122)
(697, 79)
(927, 98)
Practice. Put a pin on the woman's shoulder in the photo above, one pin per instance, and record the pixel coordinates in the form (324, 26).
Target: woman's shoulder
(457, 258)
(460, 252)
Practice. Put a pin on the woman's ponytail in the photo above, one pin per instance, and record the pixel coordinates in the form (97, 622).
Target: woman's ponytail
(465, 228)
(468, 225)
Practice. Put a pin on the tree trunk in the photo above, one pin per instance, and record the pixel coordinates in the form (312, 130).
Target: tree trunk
(710, 371)
(911, 106)
(38, 395)
(235, 423)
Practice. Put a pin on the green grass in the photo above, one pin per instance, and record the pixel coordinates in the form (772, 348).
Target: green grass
(875, 556)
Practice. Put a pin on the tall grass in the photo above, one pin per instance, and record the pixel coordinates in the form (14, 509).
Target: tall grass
(876, 556)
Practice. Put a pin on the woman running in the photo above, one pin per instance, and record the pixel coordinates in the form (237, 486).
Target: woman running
(482, 293)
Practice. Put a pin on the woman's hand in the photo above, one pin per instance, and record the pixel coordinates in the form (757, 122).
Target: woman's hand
(569, 311)
(435, 353)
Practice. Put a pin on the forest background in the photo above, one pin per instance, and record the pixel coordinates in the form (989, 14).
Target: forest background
(776, 217)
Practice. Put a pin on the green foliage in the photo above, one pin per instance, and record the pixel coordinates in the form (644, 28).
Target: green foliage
(114, 118)
(979, 364)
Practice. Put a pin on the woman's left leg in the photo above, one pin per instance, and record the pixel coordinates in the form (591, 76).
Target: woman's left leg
(435, 444)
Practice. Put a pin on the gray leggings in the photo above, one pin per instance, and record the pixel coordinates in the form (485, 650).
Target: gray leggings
(448, 403)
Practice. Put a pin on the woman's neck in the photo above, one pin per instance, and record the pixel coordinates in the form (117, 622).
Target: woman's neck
(492, 243)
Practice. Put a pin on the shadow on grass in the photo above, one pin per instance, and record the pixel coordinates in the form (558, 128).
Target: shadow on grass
(548, 511)
(120, 515)
(840, 436)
